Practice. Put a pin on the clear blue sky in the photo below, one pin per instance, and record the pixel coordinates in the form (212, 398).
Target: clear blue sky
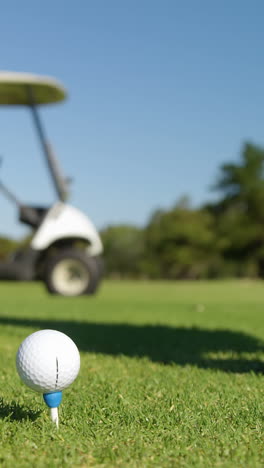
(161, 93)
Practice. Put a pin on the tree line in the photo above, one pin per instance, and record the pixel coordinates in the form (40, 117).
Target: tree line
(224, 238)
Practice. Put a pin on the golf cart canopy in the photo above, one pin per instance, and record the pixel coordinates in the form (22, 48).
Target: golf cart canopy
(26, 89)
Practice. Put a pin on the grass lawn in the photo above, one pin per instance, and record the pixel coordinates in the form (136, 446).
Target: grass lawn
(171, 376)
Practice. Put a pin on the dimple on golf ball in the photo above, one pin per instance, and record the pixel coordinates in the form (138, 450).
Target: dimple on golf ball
(48, 361)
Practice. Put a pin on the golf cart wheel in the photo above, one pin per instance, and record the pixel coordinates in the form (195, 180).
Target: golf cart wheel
(71, 273)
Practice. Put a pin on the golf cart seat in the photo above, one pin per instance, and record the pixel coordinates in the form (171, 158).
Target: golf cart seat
(32, 215)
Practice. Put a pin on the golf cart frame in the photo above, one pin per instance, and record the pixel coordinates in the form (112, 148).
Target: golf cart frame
(65, 248)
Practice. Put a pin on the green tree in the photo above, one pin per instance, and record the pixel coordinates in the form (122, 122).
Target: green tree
(242, 184)
(7, 246)
(123, 250)
(180, 243)
(240, 212)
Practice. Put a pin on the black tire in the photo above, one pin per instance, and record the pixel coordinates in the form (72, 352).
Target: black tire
(61, 265)
(100, 265)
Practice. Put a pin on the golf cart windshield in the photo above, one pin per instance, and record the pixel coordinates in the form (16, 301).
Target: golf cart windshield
(24, 89)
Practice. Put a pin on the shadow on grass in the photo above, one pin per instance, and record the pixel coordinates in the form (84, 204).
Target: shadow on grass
(15, 412)
(160, 343)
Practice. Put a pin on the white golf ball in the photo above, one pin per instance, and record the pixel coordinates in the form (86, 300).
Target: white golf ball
(48, 361)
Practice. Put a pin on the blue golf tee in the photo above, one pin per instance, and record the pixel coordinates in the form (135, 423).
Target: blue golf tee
(53, 399)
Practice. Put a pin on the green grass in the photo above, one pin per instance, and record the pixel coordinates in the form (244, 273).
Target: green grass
(171, 376)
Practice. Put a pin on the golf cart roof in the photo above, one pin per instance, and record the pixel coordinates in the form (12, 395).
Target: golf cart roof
(26, 89)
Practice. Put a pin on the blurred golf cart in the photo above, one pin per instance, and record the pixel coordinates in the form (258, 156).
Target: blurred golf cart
(65, 249)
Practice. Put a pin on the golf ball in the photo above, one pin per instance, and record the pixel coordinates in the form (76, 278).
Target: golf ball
(48, 361)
